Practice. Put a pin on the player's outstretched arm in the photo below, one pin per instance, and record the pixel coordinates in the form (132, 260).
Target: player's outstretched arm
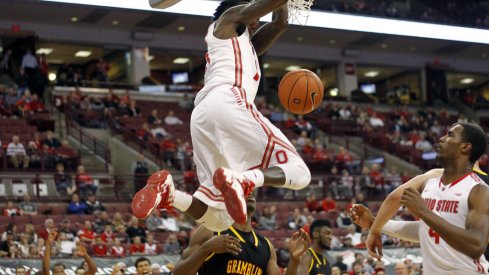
(405, 230)
(244, 15)
(81, 251)
(202, 244)
(46, 260)
(266, 36)
(298, 244)
(389, 208)
(471, 240)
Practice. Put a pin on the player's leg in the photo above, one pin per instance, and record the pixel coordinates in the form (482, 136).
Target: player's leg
(160, 192)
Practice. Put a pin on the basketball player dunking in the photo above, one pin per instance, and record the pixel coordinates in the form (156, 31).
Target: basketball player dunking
(237, 250)
(453, 210)
(226, 127)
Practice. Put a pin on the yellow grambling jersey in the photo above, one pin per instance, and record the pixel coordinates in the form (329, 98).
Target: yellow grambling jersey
(252, 260)
(319, 264)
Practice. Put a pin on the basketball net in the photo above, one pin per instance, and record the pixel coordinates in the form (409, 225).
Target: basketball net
(299, 11)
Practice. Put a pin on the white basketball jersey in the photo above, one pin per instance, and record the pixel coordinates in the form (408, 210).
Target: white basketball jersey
(451, 203)
(230, 63)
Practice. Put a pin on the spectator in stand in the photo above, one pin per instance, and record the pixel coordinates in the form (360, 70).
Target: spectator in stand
(5, 245)
(401, 269)
(154, 222)
(297, 220)
(101, 70)
(84, 182)
(171, 119)
(99, 249)
(141, 171)
(108, 235)
(94, 205)
(276, 115)
(150, 247)
(312, 203)
(144, 132)
(111, 101)
(6, 65)
(268, 220)
(168, 147)
(353, 235)
(134, 229)
(102, 219)
(27, 208)
(169, 222)
(63, 181)
(302, 125)
(393, 178)
(34, 106)
(153, 118)
(10, 210)
(377, 178)
(329, 204)
(343, 219)
(16, 153)
(137, 247)
(51, 140)
(76, 206)
(132, 110)
(66, 155)
(118, 220)
(67, 229)
(49, 227)
(172, 246)
(309, 221)
(29, 230)
(117, 250)
(86, 234)
(366, 183)
(347, 185)
(29, 63)
(344, 160)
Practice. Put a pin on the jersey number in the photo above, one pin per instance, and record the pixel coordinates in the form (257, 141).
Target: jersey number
(435, 235)
(281, 157)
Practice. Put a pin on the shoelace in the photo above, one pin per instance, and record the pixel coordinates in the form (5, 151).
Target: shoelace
(248, 187)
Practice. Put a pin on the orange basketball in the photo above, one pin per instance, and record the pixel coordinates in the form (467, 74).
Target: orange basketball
(300, 92)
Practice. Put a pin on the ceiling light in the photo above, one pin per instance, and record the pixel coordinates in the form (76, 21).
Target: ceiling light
(413, 49)
(151, 57)
(1, 49)
(181, 28)
(467, 80)
(115, 22)
(74, 19)
(45, 51)
(181, 60)
(334, 92)
(83, 53)
(300, 39)
(484, 55)
(52, 76)
(328, 20)
(383, 46)
(371, 74)
(293, 68)
(266, 65)
(332, 41)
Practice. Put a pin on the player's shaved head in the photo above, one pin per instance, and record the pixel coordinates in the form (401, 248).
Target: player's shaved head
(226, 5)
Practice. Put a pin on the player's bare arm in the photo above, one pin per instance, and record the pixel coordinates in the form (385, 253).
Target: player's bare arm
(46, 259)
(298, 244)
(244, 15)
(303, 268)
(389, 208)
(404, 230)
(471, 241)
(81, 251)
(269, 33)
(201, 245)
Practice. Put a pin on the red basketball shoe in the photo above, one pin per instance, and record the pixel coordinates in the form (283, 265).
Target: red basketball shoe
(235, 188)
(158, 192)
